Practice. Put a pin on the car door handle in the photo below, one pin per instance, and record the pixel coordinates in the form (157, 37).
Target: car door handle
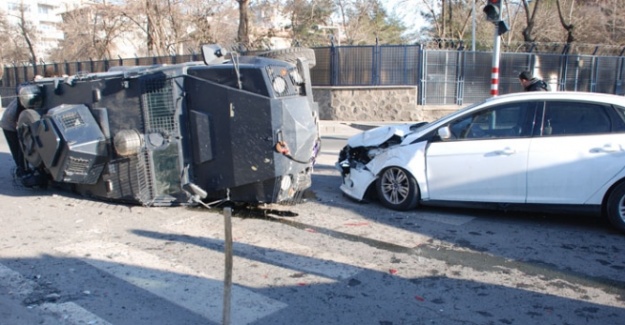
(606, 148)
(506, 151)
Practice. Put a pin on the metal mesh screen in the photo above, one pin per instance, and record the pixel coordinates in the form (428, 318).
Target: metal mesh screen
(547, 67)
(144, 178)
(355, 65)
(476, 73)
(157, 104)
(440, 77)
(607, 72)
(577, 75)
(399, 65)
(161, 167)
(443, 76)
(321, 73)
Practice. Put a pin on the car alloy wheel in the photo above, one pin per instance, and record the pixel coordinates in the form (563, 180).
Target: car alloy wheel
(397, 189)
(616, 207)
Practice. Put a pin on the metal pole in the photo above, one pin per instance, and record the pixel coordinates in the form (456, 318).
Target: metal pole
(228, 263)
(494, 81)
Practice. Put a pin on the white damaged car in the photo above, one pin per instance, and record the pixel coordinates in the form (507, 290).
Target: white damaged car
(550, 150)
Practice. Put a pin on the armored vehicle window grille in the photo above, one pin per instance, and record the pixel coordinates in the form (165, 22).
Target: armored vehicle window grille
(144, 175)
(158, 106)
(124, 174)
(71, 120)
(290, 89)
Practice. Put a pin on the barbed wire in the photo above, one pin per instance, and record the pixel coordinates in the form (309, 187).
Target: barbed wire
(526, 47)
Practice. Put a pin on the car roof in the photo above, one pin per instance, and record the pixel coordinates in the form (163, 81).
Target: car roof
(525, 96)
(560, 95)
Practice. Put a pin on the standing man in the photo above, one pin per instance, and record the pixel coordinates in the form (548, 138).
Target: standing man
(531, 83)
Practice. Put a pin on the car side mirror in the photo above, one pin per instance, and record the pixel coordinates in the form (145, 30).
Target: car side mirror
(444, 133)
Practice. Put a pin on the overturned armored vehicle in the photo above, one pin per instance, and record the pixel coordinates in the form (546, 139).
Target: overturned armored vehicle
(235, 128)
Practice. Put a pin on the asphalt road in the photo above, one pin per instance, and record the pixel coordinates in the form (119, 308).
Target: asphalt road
(327, 260)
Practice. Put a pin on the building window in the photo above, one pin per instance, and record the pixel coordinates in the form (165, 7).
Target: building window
(45, 9)
(13, 6)
(47, 26)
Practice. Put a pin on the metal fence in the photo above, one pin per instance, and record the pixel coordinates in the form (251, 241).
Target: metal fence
(442, 76)
(447, 77)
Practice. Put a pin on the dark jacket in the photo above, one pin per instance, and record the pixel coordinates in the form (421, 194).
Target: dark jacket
(537, 85)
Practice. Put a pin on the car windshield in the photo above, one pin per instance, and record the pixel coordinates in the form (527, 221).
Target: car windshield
(453, 115)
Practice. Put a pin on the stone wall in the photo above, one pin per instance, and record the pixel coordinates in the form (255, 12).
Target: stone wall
(375, 104)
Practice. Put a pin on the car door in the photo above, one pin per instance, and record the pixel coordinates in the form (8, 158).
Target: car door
(486, 158)
(577, 151)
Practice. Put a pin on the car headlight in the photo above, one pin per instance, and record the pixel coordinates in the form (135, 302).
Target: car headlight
(285, 183)
(279, 85)
(297, 78)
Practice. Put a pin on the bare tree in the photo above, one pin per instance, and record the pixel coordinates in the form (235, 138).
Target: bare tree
(161, 22)
(309, 20)
(569, 27)
(367, 22)
(530, 15)
(211, 21)
(243, 34)
(26, 35)
(5, 38)
(91, 32)
(432, 15)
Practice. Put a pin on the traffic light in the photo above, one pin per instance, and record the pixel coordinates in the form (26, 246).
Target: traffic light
(493, 10)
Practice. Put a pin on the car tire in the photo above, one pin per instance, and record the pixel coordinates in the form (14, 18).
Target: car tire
(27, 139)
(616, 207)
(397, 189)
(291, 55)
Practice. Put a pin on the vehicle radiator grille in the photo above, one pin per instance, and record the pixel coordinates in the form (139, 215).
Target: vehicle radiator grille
(71, 120)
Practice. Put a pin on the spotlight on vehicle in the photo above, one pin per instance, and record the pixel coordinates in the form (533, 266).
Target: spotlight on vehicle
(127, 142)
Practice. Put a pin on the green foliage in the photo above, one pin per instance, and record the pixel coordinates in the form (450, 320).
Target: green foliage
(308, 20)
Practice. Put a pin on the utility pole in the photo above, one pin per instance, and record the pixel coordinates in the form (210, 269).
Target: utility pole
(493, 14)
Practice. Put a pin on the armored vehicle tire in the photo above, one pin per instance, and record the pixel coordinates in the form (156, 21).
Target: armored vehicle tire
(27, 139)
(291, 54)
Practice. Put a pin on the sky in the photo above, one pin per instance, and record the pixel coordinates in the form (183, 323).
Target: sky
(407, 11)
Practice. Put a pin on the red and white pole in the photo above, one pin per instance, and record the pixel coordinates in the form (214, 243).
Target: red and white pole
(494, 73)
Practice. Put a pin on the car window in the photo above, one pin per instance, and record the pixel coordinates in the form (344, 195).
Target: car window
(619, 123)
(503, 121)
(572, 118)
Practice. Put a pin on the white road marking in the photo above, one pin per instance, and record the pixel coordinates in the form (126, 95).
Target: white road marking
(69, 312)
(176, 283)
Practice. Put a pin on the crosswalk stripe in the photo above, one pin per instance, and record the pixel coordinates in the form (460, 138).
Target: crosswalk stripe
(71, 313)
(327, 266)
(179, 284)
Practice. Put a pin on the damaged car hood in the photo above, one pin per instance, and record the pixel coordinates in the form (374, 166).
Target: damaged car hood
(381, 134)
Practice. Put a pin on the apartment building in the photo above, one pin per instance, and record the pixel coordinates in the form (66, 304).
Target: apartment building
(44, 15)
